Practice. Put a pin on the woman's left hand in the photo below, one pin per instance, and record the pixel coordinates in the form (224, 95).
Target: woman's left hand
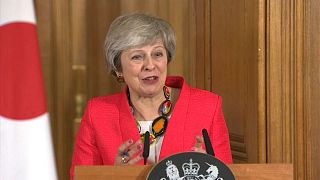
(129, 153)
(198, 145)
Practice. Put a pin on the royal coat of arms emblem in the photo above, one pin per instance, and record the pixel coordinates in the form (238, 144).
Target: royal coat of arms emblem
(191, 166)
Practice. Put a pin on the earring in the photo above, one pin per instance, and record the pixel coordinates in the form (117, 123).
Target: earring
(120, 78)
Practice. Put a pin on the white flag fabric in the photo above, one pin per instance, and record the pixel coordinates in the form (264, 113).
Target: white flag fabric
(26, 151)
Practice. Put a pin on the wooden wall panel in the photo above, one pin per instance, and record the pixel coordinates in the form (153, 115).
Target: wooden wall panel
(152, 6)
(235, 73)
(99, 16)
(311, 92)
(182, 19)
(280, 81)
(294, 85)
(202, 64)
(262, 134)
(62, 56)
(300, 130)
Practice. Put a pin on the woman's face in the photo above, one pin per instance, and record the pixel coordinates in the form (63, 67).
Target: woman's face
(145, 69)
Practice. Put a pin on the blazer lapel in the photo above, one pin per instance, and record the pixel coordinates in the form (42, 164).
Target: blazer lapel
(127, 123)
(173, 141)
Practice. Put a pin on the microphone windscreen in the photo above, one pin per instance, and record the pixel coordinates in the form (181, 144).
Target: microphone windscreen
(207, 142)
(146, 147)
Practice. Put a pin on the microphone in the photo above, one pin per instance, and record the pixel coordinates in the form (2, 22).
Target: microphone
(207, 142)
(146, 147)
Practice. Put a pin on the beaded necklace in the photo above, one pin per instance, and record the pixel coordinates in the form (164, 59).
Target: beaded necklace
(159, 124)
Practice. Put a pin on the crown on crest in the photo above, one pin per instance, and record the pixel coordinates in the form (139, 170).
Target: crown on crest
(190, 169)
(169, 163)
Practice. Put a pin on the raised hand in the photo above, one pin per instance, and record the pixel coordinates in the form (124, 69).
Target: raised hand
(198, 145)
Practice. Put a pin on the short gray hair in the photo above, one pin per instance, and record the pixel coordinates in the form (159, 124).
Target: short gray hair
(136, 30)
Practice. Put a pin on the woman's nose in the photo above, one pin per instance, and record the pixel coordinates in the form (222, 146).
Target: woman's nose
(148, 63)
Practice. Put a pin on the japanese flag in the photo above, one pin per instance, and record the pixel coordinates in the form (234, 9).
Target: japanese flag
(26, 150)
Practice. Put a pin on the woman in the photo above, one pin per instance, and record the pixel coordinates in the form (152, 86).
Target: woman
(139, 48)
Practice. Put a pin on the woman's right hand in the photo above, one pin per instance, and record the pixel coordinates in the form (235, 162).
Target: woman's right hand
(129, 153)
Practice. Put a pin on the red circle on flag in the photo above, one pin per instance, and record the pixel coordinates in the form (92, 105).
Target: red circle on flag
(21, 82)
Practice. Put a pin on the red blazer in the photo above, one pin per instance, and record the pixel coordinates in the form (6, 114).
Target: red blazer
(108, 122)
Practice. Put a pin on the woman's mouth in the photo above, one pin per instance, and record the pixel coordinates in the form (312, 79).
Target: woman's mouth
(150, 80)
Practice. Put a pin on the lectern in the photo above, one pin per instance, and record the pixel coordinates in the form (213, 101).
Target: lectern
(240, 171)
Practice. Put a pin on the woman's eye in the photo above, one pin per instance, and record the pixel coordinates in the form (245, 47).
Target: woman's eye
(136, 57)
(158, 54)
